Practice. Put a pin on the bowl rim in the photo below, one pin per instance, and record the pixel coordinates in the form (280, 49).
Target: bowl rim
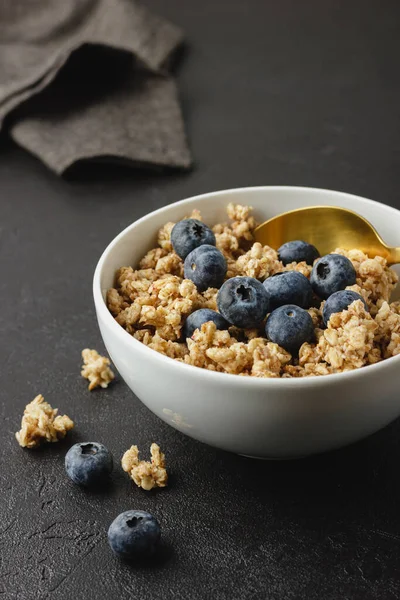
(263, 382)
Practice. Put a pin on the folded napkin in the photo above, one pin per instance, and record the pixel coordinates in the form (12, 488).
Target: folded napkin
(89, 80)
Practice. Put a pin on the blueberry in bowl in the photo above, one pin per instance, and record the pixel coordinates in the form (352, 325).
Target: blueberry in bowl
(189, 234)
(297, 251)
(206, 267)
(288, 287)
(204, 315)
(290, 327)
(332, 273)
(340, 301)
(243, 301)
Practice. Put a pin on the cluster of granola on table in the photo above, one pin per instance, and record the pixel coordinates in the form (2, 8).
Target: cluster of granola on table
(41, 424)
(153, 302)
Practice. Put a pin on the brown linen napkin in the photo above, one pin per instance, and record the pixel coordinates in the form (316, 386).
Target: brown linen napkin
(87, 79)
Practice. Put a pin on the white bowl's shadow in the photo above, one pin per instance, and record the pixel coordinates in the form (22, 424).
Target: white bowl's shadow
(274, 458)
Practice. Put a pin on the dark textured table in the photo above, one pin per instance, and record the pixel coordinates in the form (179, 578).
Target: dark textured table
(301, 93)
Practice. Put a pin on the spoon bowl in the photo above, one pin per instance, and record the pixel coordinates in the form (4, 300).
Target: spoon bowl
(327, 228)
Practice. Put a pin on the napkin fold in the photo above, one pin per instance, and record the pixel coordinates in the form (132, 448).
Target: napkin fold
(88, 80)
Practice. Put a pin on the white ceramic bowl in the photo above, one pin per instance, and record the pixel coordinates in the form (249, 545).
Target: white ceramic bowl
(267, 418)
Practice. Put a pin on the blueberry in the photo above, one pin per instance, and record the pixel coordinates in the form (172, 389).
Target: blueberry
(243, 301)
(340, 301)
(203, 315)
(188, 235)
(88, 464)
(290, 326)
(298, 251)
(332, 273)
(206, 267)
(134, 534)
(290, 287)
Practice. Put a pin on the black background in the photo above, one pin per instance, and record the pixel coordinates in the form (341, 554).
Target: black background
(288, 92)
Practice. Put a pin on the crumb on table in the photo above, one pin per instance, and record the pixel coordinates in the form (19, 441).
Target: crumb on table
(96, 369)
(146, 475)
(40, 423)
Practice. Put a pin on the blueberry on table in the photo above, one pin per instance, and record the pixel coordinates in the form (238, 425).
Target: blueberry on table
(196, 319)
(188, 234)
(340, 301)
(134, 534)
(290, 326)
(289, 287)
(243, 301)
(332, 273)
(206, 267)
(88, 464)
(297, 251)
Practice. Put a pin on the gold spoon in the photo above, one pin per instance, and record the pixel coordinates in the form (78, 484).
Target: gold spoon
(327, 228)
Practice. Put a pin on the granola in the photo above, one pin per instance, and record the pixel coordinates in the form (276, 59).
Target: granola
(153, 302)
(96, 369)
(346, 343)
(259, 262)
(146, 475)
(41, 423)
(373, 275)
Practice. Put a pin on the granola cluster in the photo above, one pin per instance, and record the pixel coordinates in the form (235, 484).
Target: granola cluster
(96, 369)
(41, 423)
(152, 303)
(217, 350)
(146, 475)
(374, 278)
